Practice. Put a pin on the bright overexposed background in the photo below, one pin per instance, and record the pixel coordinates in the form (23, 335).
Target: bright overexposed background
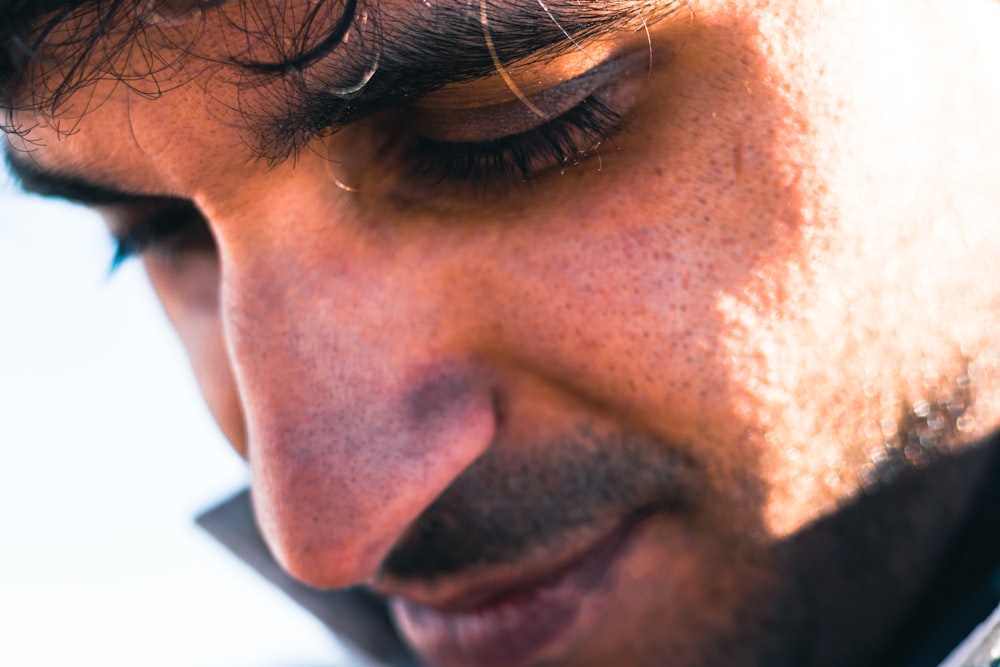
(106, 455)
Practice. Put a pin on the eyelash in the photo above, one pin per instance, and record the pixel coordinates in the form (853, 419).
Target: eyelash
(169, 231)
(560, 142)
(177, 227)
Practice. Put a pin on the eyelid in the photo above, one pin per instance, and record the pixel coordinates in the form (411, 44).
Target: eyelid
(460, 124)
(493, 164)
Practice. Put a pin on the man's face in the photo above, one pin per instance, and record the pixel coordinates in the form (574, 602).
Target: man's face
(607, 416)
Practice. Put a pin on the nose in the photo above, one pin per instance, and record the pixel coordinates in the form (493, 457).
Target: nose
(362, 400)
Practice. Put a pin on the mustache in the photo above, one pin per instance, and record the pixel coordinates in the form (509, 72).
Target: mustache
(509, 505)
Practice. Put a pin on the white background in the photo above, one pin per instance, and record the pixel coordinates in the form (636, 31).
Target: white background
(106, 455)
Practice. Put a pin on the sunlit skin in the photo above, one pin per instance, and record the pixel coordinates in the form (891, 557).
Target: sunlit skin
(789, 244)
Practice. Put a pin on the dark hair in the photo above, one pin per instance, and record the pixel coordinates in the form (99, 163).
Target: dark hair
(51, 48)
(29, 36)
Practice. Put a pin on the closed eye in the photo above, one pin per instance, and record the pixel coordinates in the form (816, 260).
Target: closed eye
(556, 143)
(162, 228)
(502, 144)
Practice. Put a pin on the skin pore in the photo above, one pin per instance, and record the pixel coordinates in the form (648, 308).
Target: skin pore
(746, 344)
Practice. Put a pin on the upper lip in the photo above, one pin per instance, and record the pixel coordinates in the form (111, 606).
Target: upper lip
(478, 589)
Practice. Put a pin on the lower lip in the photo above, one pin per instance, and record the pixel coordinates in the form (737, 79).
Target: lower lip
(523, 626)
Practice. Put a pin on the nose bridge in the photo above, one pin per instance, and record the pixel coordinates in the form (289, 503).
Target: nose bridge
(360, 408)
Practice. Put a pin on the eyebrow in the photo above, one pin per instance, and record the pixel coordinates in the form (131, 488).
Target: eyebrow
(419, 48)
(32, 178)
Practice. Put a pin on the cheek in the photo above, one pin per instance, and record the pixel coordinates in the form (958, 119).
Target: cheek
(188, 288)
(701, 283)
(622, 282)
